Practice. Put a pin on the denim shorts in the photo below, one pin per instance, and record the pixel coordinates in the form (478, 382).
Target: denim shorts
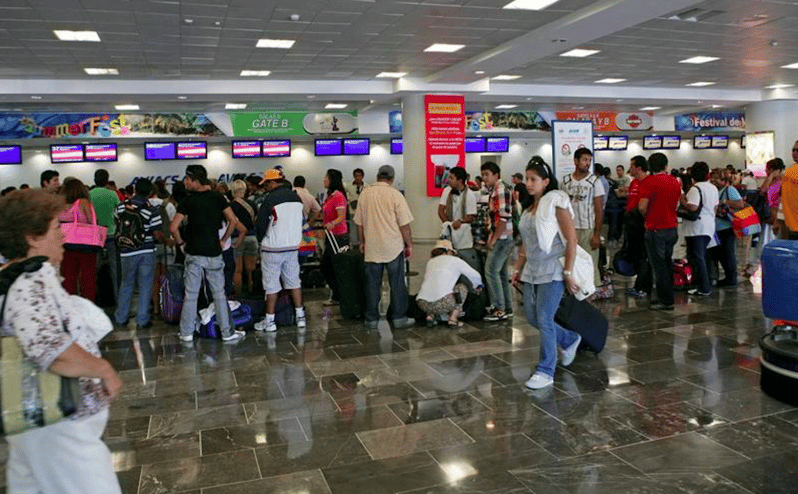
(250, 247)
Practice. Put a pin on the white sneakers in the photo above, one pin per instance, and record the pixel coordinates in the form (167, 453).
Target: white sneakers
(266, 325)
(569, 354)
(234, 336)
(539, 380)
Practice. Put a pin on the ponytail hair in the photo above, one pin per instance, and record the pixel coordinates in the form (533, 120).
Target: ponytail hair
(542, 169)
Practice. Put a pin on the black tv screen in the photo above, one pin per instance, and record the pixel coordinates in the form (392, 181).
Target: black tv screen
(246, 149)
(192, 150)
(10, 155)
(159, 150)
(497, 144)
(356, 146)
(396, 145)
(475, 145)
(328, 147)
(101, 152)
(276, 149)
(671, 142)
(66, 153)
(652, 142)
(720, 142)
(702, 142)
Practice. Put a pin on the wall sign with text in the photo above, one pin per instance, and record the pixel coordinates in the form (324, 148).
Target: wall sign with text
(444, 118)
(567, 137)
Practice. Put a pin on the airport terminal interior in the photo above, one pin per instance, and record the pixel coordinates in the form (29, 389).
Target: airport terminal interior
(671, 405)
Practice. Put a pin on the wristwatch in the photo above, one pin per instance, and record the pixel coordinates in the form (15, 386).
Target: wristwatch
(566, 272)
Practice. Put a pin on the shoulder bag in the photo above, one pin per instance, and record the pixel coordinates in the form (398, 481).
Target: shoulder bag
(83, 236)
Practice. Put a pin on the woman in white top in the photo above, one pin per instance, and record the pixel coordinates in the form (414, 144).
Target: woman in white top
(702, 196)
(440, 293)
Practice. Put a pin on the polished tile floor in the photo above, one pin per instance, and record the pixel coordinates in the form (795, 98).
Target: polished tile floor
(672, 405)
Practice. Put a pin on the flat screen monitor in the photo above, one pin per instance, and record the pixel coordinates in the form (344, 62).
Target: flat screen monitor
(600, 143)
(101, 152)
(328, 147)
(66, 153)
(671, 142)
(720, 142)
(192, 150)
(702, 142)
(475, 145)
(10, 155)
(246, 149)
(618, 143)
(497, 144)
(652, 142)
(277, 149)
(159, 150)
(396, 145)
(742, 141)
(356, 146)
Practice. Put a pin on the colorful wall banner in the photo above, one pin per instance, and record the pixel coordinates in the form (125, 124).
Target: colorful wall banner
(505, 121)
(567, 137)
(444, 118)
(710, 121)
(102, 125)
(610, 121)
(760, 147)
(395, 121)
(292, 123)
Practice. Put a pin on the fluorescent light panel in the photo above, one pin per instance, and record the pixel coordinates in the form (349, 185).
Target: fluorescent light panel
(505, 107)
(699, 60)
(336, 106)
(284, 44)
(506, 77)
(790, 66)
(101, 71)
(127, 107)
(701, 84)
(77, 35)
(235, 106)
(255, 73)
(609, 80)
(651, 108)
(530, 4)
(392, 75)
(779, 86)
(579, 53)
(444, 48)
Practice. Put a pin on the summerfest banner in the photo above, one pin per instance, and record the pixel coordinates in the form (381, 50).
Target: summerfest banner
(444, 118)
(104, 125)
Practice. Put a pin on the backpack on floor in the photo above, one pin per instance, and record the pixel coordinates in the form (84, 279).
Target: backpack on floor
(241, 318)
(284, 313)
(682, 273)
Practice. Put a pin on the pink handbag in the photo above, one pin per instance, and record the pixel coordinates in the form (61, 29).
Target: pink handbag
(83, 236)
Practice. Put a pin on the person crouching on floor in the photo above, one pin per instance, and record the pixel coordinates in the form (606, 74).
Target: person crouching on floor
(440, 292)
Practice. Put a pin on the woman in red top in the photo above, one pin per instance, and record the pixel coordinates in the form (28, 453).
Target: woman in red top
(334, 217)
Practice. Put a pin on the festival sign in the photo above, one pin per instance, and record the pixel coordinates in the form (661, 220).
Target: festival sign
(710, 122)
(104, 125)
(610, 121)
(567, 137)
(444, 118)
(505, 121)
(292, 123)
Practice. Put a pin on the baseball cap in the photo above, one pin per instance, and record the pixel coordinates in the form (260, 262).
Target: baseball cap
(444, 244)
(272, 174)
(386, 171)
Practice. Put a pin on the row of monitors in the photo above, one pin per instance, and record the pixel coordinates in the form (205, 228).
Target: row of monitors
(77, 153)
(620, 143)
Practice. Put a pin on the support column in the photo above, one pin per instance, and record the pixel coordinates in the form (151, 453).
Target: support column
(426, 225)
(778, 116)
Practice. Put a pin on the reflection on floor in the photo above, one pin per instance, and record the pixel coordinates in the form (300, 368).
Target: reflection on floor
(671, 406)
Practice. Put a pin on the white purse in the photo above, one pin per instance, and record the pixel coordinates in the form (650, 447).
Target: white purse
(94, 318)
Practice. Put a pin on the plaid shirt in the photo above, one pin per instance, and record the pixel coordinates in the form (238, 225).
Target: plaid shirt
(501, 207)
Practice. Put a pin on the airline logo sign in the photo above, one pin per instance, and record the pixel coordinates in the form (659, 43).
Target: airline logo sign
(608, 121)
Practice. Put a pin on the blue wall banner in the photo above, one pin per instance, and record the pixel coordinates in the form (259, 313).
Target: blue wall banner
(710, 121)
(102, 125)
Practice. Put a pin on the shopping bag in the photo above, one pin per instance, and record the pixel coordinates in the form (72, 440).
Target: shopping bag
(746, 222)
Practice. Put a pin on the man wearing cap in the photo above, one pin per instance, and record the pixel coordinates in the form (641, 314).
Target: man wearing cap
(279, 231)
(383, 222)
(205, 210)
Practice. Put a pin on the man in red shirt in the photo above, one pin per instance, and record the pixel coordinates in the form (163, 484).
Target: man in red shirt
(659, 198)
(634, 243)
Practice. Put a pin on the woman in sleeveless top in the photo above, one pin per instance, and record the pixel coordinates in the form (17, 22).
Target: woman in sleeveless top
(79, 267)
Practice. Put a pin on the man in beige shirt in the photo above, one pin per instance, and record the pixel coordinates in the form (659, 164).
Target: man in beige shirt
(383, 222)
(310, 206)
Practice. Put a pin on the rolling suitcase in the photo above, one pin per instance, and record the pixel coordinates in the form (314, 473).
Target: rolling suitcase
(170, 294)
(779, 280)
(350, 273)
(582, 317)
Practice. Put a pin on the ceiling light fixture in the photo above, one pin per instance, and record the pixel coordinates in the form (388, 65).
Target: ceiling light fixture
(701, 84)
(530, 4)
(255, 73)
(443, 48)
(78, 36)
(188, 21)
(579, 53)
(392, 75)
(779, 86)
(127, 107)
(717, 106)
(790, 66)
(284, 44)
(336, 106)
(505, 107)
(699, 60)
(609, 80)
(506, 77)
(651, 108)
(35, 97)
(235, 106)
(182, 97)
(101, 71)
(311, 96)
(479, 72)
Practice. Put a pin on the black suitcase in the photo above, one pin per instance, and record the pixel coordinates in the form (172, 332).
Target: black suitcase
(350, 273)
(779, 363)
(582, 317)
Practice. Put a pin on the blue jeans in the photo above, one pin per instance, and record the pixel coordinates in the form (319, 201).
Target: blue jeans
(137, 270)
(659, 246)
(697, 257)
(396, 280)
(496, 275)
(194, 269)
(541, 303)
(229, 258)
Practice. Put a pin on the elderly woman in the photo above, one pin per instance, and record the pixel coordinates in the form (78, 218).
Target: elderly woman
(247, 253)
(79, 263)
(440, 293)
(53, 337)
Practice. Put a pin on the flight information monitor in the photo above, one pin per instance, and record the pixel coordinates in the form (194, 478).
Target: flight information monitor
(159, 150)
(101, 152)
(66, 153)
(192, 150)
(10, 155)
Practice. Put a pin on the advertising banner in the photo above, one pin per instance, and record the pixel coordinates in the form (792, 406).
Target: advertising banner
(710, 121)
(102, 125)
(610, 121)
(505, 121)
(760, 147)
(444, 118)
(395, 122)
(292, 123)
(567, 137)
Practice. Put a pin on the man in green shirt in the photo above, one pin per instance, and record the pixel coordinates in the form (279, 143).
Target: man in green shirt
(105, 201)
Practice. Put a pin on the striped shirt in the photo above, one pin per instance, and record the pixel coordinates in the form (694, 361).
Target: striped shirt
(501, 208)
(151, 220)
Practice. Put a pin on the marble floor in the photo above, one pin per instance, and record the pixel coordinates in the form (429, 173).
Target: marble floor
(672, 405)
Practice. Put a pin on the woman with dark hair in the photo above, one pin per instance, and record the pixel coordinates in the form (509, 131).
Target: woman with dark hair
(334, 217)
(729, 201)
(547, 232)
(702, 197)
(79, 266)
(58, 448)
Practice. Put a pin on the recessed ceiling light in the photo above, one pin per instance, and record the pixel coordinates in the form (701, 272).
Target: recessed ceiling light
(78, 36)
(235, 106)
(188, 21)
(217, 23)
(579, 108)
(35, 97)
(101, 71)
(790, 66)
(505, 107)
(506, 77)
(699, 60)
(284, 44)
(530, 4)
(182, 97)
(701, 84)
(255, 73)
(311, 96)
(609, 80)
(479, 72)
(127, 107)
(651, 108)
(392, 75)
(779, 86)
(717, 106)
(336, 106)
(579, 53)
(529, 99)
(444, 48)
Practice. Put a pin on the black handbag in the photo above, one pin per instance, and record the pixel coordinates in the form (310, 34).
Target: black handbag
(686, 214)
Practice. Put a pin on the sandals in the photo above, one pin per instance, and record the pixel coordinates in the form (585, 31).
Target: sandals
(454, 323)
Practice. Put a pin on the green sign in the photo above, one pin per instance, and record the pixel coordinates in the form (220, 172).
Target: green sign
(292, 123)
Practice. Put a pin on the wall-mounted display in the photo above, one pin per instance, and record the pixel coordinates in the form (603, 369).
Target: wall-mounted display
(357, 147)
(396, 145)
(192, 150)
(671, 142)
(497, 144)
(328, 147)
(10, 155)
(474, 144)
(702, 142)
(652, 142)
(277, 149)
(618, 143)
(600, 143)
(246, 149)
(66, 153)
(159, 150)
(101, 152)
(720, 142)
(760, 148)
(743, 141)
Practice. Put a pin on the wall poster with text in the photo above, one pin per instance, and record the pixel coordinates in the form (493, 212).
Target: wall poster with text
(567, 137)
(444, 119)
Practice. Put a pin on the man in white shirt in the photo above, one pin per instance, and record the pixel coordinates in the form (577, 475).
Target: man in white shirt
(458, 207)
(587, 198)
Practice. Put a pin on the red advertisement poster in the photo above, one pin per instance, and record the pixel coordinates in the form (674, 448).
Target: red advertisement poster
(445, 135)
(610, 121)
